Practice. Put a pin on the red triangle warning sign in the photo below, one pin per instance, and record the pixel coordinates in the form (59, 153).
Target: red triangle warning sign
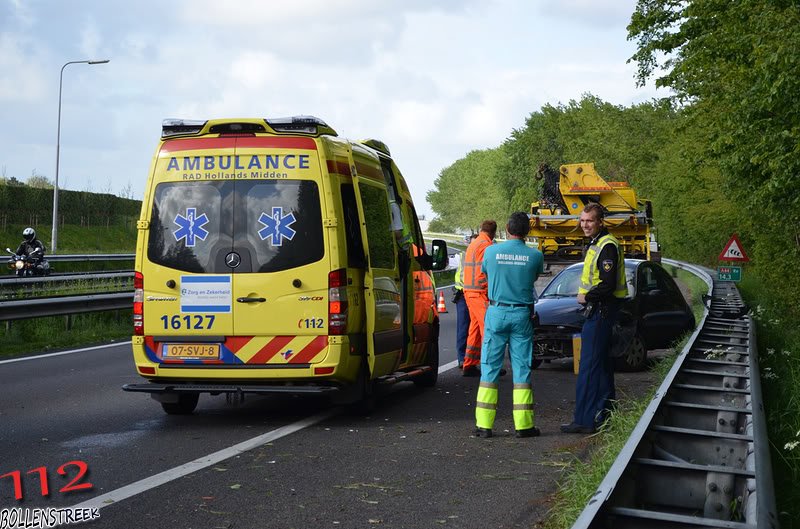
(734, 251)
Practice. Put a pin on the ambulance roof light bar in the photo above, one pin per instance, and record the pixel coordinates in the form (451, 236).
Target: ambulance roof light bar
(179, 127)
(302, 124)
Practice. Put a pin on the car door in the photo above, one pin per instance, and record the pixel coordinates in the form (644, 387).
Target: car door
(662, 319)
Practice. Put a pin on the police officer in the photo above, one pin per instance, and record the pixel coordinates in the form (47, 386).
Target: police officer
(511, 269)
(602, 287)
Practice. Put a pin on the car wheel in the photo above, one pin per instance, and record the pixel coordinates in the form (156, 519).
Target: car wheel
(186, 404)
(635, 356)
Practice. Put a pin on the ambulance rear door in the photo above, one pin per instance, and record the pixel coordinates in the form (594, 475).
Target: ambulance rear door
(187, 288)
(278, 256)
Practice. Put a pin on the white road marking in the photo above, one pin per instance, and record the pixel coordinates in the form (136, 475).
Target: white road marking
(448, 366)
(122, 493)
(49, 355)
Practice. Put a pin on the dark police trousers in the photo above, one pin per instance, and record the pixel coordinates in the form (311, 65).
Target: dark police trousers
(594, 389)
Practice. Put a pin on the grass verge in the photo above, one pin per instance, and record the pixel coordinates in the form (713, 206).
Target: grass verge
(779, 357)
(44, 335)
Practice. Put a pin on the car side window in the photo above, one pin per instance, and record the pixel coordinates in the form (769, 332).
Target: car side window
(668, 284)
(647, 279)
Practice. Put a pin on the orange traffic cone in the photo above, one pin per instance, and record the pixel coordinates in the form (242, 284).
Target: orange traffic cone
(442, 306)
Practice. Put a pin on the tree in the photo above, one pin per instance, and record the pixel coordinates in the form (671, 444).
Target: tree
(39, 181)
(736, 67)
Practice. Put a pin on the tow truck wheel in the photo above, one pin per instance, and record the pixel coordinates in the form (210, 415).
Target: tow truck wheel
(186, 404)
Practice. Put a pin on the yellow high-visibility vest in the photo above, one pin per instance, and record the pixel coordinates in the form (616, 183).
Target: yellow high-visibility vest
(591, 272)
(459, 282)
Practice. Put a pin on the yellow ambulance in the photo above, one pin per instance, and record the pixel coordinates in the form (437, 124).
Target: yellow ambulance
(274, 256)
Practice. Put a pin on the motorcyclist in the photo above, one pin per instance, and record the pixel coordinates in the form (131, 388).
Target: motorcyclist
(29, 247)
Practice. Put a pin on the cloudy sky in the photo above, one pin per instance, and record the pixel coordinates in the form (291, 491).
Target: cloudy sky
(434, 79)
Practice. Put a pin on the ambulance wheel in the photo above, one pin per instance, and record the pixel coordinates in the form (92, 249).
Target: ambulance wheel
(186, 404)
(635, 356)
(367, 401)
(429, 378)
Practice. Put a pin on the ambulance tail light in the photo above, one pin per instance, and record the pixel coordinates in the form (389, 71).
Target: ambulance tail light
(138, 304)
(337, 302)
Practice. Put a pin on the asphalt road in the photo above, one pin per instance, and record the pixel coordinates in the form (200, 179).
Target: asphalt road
(299, 463)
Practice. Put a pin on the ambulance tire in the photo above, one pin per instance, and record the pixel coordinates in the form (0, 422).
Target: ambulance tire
(429, 378)
(367, 400)
(186, 404)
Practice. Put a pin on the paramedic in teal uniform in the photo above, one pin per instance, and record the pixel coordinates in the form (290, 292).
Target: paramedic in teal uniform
(511, 268)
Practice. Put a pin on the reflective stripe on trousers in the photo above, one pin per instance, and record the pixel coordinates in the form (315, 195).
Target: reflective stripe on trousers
(523, 406)
(486, 405)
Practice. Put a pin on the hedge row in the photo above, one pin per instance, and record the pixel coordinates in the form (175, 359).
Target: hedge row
(33, 206)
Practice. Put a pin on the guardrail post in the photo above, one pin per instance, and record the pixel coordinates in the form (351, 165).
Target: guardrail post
(68, 322)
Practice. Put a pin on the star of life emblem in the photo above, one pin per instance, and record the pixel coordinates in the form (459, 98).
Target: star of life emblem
(277, 226)
(190, 227)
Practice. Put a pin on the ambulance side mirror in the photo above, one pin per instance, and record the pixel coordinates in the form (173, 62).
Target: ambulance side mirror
(438, 254)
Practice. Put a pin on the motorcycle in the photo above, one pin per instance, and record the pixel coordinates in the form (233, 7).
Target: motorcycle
(28, 265)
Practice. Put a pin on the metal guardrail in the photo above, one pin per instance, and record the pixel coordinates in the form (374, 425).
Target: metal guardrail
(64, 305)
(699, 456)
(56, 258)
(12, 281)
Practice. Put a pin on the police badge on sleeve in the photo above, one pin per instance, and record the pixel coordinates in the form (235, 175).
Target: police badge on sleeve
(607, 264)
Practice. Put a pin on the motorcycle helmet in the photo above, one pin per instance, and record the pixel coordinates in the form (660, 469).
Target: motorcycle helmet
(29, 234)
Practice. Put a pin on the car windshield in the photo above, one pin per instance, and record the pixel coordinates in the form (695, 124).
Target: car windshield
(564, 284)
(567, 282)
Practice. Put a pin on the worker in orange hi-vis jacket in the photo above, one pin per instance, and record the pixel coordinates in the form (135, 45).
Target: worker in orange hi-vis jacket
(476, 296)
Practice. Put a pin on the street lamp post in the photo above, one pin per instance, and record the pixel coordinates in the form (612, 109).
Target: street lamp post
(54, 234)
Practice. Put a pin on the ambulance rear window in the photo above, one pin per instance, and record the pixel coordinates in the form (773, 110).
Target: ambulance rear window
(242, 226)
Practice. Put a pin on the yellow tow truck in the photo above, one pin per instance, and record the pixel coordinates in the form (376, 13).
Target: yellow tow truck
(554, 219)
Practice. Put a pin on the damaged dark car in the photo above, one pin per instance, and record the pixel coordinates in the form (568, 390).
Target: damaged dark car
(653, 316)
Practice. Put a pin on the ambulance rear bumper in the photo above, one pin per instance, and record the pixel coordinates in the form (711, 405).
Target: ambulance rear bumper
(216, 389)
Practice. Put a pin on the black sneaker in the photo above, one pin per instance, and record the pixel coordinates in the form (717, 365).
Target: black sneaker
(482, 432)
(577, 428)
(528, 432)
(471, 371)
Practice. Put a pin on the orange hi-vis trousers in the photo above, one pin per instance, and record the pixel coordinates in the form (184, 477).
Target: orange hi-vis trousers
(477, 303)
